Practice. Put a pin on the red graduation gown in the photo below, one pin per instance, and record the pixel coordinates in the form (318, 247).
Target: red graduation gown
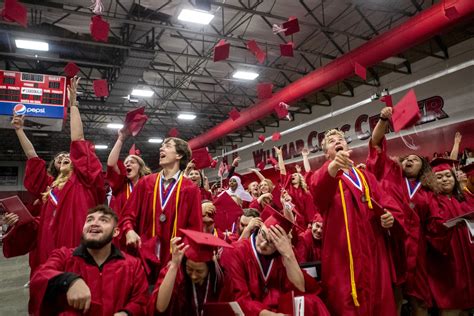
(307, 248)
(61, 225)
(118, 183)
(418, 221)
(120, 285)
(254, 293)
(137, 214)
(370, 255)
(182, 300)
(451, 270)
(302, 200)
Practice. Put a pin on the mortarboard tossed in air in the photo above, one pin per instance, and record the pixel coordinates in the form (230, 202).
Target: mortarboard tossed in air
(201, 158)
(286, 50)
(276, 136)
(221, 51)
(135, 120)
(261, 165)
(71, 69)
(213, 163)
(387, 99)
(234, 114)
(292, 26)
(272, 161)
(261, 138)
(13, 11)
(256, 50)
(281, 110)
(406, 113)
(173, 132)
(101, 88)
(99, 29)
(201, 245)
(264, 90)
(272, 217)
(134, 151)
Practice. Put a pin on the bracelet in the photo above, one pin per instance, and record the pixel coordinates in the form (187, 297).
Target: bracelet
(383, 119)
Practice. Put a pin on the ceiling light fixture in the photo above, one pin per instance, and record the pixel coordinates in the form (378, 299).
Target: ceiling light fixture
(115, 125)
(245, 75)
(186, 116)
(101, 146)
(33, 45)
(142, 93)
(155, 140)
(195, 16)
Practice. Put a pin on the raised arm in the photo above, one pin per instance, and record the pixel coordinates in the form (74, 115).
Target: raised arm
(77, 132)
(257, 173)
(455, 150)
(379, 131)
(281, 162)
(306, 164)
(115, 152)
(26, 145)
(235, 164)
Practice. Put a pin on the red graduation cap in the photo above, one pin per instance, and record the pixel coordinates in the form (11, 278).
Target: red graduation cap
(14, 11)
(99, 29)
(264, 90)
(276, 136)
(227, 212)
(451, 12)
(221, 51)
(272, 217)
(387, 99)
(406, 113)
(213, 162)
(468, 170)
(286, 49)
(442, 164)
(257, 51)
(71, 69)
(201, 245)
(261, 165)
(261, 138)
(201, 158)
(234, 114)
(135, 120)
(13, 204)
(360, 71)
(317, 217)
(173, 132)
(292, 26)
(282, 110)
(101, 88)
(134, 151)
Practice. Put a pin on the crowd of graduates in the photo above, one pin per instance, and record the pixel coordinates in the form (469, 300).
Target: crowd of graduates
(345, 239)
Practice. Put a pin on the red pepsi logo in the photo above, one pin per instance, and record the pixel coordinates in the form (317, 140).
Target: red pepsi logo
(19, 109)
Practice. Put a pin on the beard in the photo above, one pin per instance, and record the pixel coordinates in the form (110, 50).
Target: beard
(97, 243)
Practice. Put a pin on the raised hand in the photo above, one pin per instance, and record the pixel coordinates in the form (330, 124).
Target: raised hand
(123, 134)
(72, 90)
(386, 113)
(280, 239)
(177, 250)
(341, 161)
(277, 150)
(457, 138)
(18, 121)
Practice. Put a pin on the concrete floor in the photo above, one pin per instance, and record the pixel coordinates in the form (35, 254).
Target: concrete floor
(14, 273)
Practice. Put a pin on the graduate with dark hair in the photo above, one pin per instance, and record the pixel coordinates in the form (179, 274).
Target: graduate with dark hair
(95, 277)
(160, 204)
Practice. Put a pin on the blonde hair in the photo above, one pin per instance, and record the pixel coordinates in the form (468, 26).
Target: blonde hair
(269, 183)
(59, 183)
(143, 170)
(301, 181)
(328, 134)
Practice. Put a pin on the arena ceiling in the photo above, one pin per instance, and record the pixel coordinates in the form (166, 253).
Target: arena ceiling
(148, 47)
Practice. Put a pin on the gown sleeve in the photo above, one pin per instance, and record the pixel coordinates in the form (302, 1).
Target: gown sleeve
(36, 177)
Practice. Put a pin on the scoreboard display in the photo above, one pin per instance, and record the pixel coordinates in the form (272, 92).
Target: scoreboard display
(35, 95)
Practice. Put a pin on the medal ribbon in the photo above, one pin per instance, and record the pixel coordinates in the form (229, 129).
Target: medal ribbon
(129, 189)
(254, 248)
(53, 198)
(205, 297)
(355, 180)
(155, 191)
(411, 192)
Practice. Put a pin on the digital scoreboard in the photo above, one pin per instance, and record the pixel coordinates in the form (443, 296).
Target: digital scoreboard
(41, 98)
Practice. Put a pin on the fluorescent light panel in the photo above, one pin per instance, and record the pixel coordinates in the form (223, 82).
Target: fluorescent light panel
(101, 146)
(33, 45)
(186, 116)
(40, 134)
(142, 93)
(114, 125)
(195, 16)
(245, 75)
(155, 140)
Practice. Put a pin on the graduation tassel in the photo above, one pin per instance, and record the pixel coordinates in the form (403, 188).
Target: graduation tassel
(349, 248)
(175, 225)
